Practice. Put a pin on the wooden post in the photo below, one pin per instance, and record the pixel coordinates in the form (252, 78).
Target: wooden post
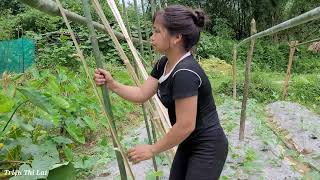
(139, 26)
(247, 82)
(293, 45)
(234, 73)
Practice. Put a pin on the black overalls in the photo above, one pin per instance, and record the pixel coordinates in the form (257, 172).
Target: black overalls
(202, 155)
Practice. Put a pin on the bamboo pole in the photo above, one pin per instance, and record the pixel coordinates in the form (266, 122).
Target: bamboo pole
(234, 73)
(126, 19)
(162, 128)
(51, 8)
(247, 82)
(303, 18)
(104, 90)
(102, 105)
(293, 46)
(146, 121)
(139, 26)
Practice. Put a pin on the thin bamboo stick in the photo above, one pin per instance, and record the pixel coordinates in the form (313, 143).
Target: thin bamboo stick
(307, 42)
(247, 82)
(80, 54)
(293, 46)
(105, 93)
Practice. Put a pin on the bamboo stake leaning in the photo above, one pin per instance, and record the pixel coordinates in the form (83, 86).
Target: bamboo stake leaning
(234, 73)
(164, 115)
(105, 93)
(247, 81)
(95, 90)
(125, 14)
(293, 46)
(139, 26)
(144, 14)
(158, 122)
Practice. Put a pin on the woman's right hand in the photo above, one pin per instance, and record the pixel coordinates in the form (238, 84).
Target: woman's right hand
(102, 77)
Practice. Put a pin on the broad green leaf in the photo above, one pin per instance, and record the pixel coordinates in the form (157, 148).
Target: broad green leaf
(60, 102)
(49, 148)
(92, 125)
(36, 98)
(59, 165)
(68, 153)
(75, 132)
(6, 103)
(46, 124)
(65, 172)
(53, 85)
(62, 140)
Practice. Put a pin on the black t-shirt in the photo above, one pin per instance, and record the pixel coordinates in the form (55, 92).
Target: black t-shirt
(187, 79)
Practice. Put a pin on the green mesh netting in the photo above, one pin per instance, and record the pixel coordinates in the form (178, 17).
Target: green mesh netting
(16, 55)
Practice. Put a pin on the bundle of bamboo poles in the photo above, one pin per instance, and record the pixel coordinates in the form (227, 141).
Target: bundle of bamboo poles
(154, 107)
(105, 109)
(157, 111)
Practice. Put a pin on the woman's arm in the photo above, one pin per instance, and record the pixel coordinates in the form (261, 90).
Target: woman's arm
(186, 112)
(131, 93)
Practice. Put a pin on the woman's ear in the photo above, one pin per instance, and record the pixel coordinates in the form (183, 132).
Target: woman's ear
(178, 39)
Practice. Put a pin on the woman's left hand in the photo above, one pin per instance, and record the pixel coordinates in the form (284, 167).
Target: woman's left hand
(140, 153)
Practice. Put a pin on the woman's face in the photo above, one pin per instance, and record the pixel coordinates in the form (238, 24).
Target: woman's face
(160, 39)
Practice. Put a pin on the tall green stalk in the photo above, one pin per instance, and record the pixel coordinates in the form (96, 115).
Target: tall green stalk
(126, 19)
(153, 7)
(105, 93)
(139, 28)
(144, 14)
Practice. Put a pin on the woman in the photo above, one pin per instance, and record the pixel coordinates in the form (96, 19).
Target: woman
(184, 89)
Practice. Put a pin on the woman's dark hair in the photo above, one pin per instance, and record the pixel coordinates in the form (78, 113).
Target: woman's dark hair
(178, 19)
